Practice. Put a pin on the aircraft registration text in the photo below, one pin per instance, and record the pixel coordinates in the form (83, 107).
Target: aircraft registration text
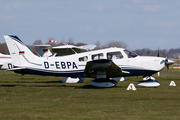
(61, 65)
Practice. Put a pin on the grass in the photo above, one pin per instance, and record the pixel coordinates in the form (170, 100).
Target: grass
(38, 97)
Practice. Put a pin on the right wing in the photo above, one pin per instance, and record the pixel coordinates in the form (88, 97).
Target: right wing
(71, 49)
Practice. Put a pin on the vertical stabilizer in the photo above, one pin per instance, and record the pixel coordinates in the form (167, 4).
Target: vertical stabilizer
(19, 52)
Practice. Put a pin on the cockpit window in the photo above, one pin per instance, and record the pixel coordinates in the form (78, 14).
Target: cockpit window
(130, 54)
(114, 55)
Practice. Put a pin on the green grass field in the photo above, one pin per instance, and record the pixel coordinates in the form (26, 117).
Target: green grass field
(39, 97)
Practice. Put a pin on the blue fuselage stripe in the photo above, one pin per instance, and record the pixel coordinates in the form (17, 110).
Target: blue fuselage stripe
(80, 73)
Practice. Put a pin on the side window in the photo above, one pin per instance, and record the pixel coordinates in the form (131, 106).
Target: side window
(97, 56)
(85, 58)
(114, 55)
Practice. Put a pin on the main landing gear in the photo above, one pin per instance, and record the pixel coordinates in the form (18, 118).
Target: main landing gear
(103, 83)
(148, 82)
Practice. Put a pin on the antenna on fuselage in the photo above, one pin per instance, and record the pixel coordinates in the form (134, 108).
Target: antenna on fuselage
(158, 56)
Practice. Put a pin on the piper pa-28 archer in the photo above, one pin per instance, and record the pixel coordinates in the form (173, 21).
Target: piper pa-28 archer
(104, 65)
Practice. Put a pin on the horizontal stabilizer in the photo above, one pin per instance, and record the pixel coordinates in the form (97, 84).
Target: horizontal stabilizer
(14, 69)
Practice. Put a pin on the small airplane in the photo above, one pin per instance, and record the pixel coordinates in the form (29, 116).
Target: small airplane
(103, 65)
(5, 61)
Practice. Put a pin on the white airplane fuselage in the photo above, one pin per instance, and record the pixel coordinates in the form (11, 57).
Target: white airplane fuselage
(73, 66)
(5, 61)
(103, 65)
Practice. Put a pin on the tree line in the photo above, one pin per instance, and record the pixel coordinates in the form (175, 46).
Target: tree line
(171, 53)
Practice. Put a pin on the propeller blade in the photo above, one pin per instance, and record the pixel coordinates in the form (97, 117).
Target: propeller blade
(168, 67)
(158, 52)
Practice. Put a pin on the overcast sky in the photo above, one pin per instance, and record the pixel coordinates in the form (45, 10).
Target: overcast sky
(139, 23)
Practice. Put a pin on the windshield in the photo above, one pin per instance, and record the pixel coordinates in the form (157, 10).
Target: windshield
(130, 54)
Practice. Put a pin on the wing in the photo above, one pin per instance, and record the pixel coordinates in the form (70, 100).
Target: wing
(105, 67)
(71, 49)
(68, 49)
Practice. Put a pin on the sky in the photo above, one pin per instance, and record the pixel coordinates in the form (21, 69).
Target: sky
(139, 23)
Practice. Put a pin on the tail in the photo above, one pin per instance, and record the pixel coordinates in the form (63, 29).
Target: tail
(20, 53)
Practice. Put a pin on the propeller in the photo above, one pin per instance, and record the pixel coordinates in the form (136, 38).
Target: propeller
(168, 62)
(158, 56)
(158, 52)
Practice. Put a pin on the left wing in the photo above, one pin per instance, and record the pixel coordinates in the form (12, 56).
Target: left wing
(105, 68)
